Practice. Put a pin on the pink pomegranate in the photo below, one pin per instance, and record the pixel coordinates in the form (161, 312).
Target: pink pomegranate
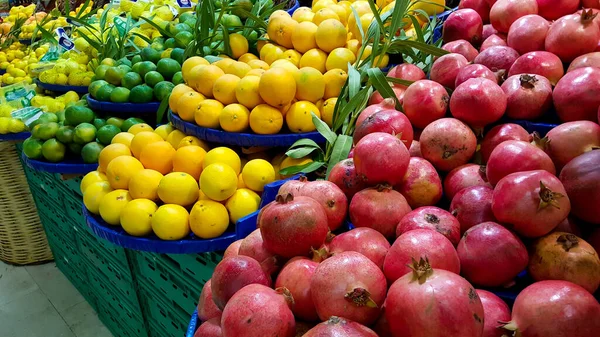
(491, 2)
(233, 249)
(557, 309)
(381, 158)
(542, 203)
(495, 310)
(581, 86)
(339, 326)
(480, 6)
(569, 225)
(591, 3)
(421, 185)
(344, 175)
(464, 176)
(554, 9)
(381, 327)
(349, 285)
(431, 218)
(462, 47)
(406, 71)
(594, 239)
(258, 311)
(472, 206)
(463, 24)
(364, 240)
(376, 97)
(499, 134)
(491, 255)
(497, 58)
(292, 186)
(564, 256)
(573, 35)
(253, 246)
(581, 178)
(331, 197)
(516, 156)
(207, 308)
(424, 102)
(445, 69)
(210, 328)
(379, 208)
(384, 104)
(457, 312)
(234, 273)
(295, 276)
(488, 30)
(415, 149)
(528, 96)
(291, 226)
(569, 140)
(528, 33)
(539, 63)
(586, 60)
(494, 40)
(447, 143)
(505, 12)
(478, 102)
(387, 121)
(475, 71)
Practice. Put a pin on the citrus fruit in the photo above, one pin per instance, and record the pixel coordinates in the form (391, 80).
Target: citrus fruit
(140, 127)
(158, 156)
(292, 56)
(119, 95)
(272, 53)
(164, 130)
(136, 217)
(112, 204)
(152, 78)
(114, 75)
(103, 94)
(191, 140)
(131, 79)
(176, 93)
(299, 117)
(285, 64)
(204, 77)
(188, 104)
(150, 54)
(141, 140)
(247, 93)
(265, 120)
(331, 34)
(93, 194)
(208, 112)
(224, 89)
(334, 81)
(163, 89)
(238, 44)
(189, 159)
(247, 57)
(255, 72)
(53, 150)
(223, 155)
(277, 87)
(118, 122)
(209, 219)
(91, 178)
(141, 94)
(121, 169)
(315, 58)
(353, 45)
(341, 13)
(279, 13)
(258, 64)
(100, 71)
(257, 173)
(182, 39)
(290, 162)
(320, 4)
(171, 222)
(381, 61)
(75, 115)
(339, 59)
(45, 131)
(111, 152)
(90, 152)
(240, 182)
(242, 203)
(175, 138)
(310, 84)
(122, 138)
(95, 86)
(239, 69)
(145, 67)
(84, 133)
(280, 30)
(327, 110)
(234, 118)
(191, 63)
(365, 22)
(65, 134)
(303, 14)
(218, 181)
(325, 14)
(303, 37)
(178, 188)
(144, 184)
(129, 122)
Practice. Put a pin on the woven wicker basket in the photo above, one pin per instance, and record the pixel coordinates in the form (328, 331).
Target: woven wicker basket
(22, 237)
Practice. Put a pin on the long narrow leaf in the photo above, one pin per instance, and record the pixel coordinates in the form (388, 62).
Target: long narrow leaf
(323, 129)
(340, 151)
(306, 168)
(429, 49)
(380, 83)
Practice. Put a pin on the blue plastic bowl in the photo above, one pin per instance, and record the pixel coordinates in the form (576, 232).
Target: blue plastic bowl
(68, 166)
(124, 108)
(194, 324)
(12, 137)
(61, 88)
(294, 7)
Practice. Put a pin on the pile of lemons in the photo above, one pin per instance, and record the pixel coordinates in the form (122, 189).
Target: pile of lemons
(55, 104)
(164, 182)
(7, 123)
(17, 61)
(72, 68)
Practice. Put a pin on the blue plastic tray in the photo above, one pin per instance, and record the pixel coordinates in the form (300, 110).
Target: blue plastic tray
(437, 32)
(2, 71)
(194, 324)
(541, 128)
(294, 7)
(124, 108)
(61, 88)
(69, 166)
(241, 139)
(14, 136)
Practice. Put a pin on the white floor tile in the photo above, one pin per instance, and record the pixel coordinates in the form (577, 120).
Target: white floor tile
(14, 283)
(59, 290)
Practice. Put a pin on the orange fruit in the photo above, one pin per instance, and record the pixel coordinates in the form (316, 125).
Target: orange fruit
(208, 112)
(190, 63)
(247, 57)
(292, 57)
(285, 64)
(122, 138)
(158, 156)
(238, 44)
(187, 105)
(303, 14)
(121, 169)
(327, 110)
(224, 63)
(272, 54)
(266, 120)
(144, 184)
(320, 4)
(205, 77)
(279, 14)
(239, 69)
(179, 90)
(277, 87)
(189, 159)
(315, 58)
(191, 140)
(137, 128)
(325, 14)
(111, 152)
(353, 45)
(258, 64)
(141, 140)
(234, 118)
(310, 84)
(331, 34)
(303, 37)
(299, 117)
(247, 93)
(280, 30)
(224, 89)
(339, 59)
(255, 72)
(334, 81)
(178, 188)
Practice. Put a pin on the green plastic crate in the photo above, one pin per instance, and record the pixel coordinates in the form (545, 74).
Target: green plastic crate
(54, 216)
(156, 331)
(117, 323)
(102, 251)
(79, 279)
(45, 182)
(73, 207)
(71, 185)
(167, 317)
(198, 266)
(67, 247)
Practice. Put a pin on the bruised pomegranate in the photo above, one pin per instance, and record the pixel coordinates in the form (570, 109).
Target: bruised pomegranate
(528, 33)
(380, 208)
(569, 140)
(387, 121)
(504, 12)
(462, 47)
(348, 285)
(381, 158)
(447, 143)
(253, 246)
(472, 206)
(292, 186)
(564, 256)
(494, 40)
(421, 185)
(415, 149)
(432, 218)
(495, 310)
(258, 311)
(445, 69)
(463, 24)
(480, 6)
(364, 240)
(586, 60)
(331, 197)
(464, 176)
(210, 328)
(384, 104)
(207, 308)
(497, 58)
(573, 35)
(528, 96)
(233, 249)
(581, 86)
(475, 71)
(344, 175)
(478, 102)
(457, 309)
(488, 30)
(581, 178)
(424, 102)
(339, 326)
(557, 309)
(542, 203)
(406, 71)
(499, 134)
(295, 276)
(540, 63)
(554, 9)
(491, 255)
(516, 156)
(419, 244)
(291, 226)
(234, 273)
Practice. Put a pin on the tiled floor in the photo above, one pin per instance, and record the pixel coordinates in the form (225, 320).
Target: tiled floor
(39, 301)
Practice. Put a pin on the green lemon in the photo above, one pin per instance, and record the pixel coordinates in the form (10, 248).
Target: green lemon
(177, 55)
(177, 78)
(61, 115)
(47, 117)
(103, 94)
(106, 133)
(119, 95)
(99, 122)
(76, 114)
(115, 121)
(145, 67)
(131, 79)
(185, 16)
(84, 133)
(153, 77)
(109, 62)
(150, 54)
(141, 94)
(183, 38)
(191, 23)
(168, 67)
(114, 75)
(182, 27)
(75, 148)
(124, 67)
(32, 148)
(231, 21)
(100, 71)
(90, 152)
(163, 89)
(65, 134)
(53, 150)
(136, 59)
(157, 45)
(170, 43)
(94, 86)
(129, 122)
(124, 61)
(45, 131)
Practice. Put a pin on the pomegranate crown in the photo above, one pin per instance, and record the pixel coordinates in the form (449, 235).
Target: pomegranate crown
(567, 241)
(421, 269)
(587, 15)
(284, 198)
(548, 197)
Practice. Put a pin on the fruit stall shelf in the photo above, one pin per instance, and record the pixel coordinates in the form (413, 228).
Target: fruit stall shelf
(11, 137)
(68, 166)
(61, 88)
(123, 108)
(241, 139)
(193, 326)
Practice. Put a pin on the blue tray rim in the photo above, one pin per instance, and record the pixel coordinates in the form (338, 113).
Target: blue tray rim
(124, 108)
(61, 168)
(61, 88)
(193, 326)
(11, 137)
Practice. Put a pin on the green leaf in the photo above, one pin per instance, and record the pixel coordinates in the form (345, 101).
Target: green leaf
(360, 29)
(323, 128)
(304, 142)
(160, 113)
(397, 16)
(306, 168)
(353, 81)
(429, 49)
(301, 152)
(260, 22)
(380, 83)
(399, 81)
(353, 105)
(340, 151)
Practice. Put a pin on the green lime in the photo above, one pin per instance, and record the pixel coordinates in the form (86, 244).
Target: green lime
(170, 27)
(47, 117)
(94, 86)
(136, 67)
(90, 152)
(65, 134)
(32, 148)
(163, 89)
(129, 122)
(103, 94)
(242, 4)
(109, 62)
(53, 150)
(61, 115)
(45, 131)
(177, 78)
(182, 27)
(145, 67)
(153, 77)
(168, 67)
(170, 43)
(115, 121)
(106, 133)
(136, 59)
(125, 67)
(183, 38)
(99, 122)
(75, 148)
(185, 16)
(100, 71)
(177, 55)
(150, 54)
(231, 21)
(140, 94)
(124, 61)
(191, 23)
(84, 133)
(114, 75)
(76, 114)
(157, 45)
(119, 95)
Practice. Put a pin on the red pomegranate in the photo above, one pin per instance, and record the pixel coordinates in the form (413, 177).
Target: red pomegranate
(462, 47)
(499, 134)
(253, 246)
(480, 6)
(384, 104)
(445, 69)
(296, 276)
(207, 308)
(474, 71)
(542, 203)
(594, 239)
(424, 102)
(258, 311)
(478, 102)
(539, 63)
(210, 328)
(339, 326)
(573, 35)
(432, 218)
(569, 225)
(505, 12)
(497, 58)
(495, 310)
(463, 24)
(415, 149)
(557, 309)
(528, 96)
(331, 197)
(491, 2)
(581, 178)
(344, 175)
(381, 158)
(464, 176)
(349, 285)
(422, 185)
(569, 140)
(554, 9)
(457, 312)
(488, 30)
(590, 3)
(406, 71)
(364, 240)
(447, 143)
(586, 60)
(419, 244)
(292, 186)
(581, 86)
(528, 34)
(303, 327)
(387, 121)
(472, 206)
(233, 249)
(379, 208)
(291, 226)
(516, 156)
(491, 255)
(376, 97)
(494, 40)
(234, 273)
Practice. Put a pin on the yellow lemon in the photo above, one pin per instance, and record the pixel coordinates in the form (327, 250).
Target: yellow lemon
(243, 202)
(208, 112)
(93, 195)
(158, 156)
(310, 84)
(136, 217)
(299, 117)
(285, 64)
(224, 89)
(365, 22)
(224, 63)
(327, 110)
(164, 130)
(121, 169)
(325, 14)
(176, 93)
(141, 127)
(124, 138)
(209, 219)
(255, 72)
(381, 61)
(272, 54)
(280, 14)
(206, 77)
(290, 162)
(112, 204)
(303, 37)
(257, 173)
(141, 140)
(247, 58)
(223, 155)
(91, 178)
(258, 64)
(234, 118)
(190, 63)
(339, 59)
(280, 30)
(171, 222)
(238, 44)
(334, 81)
(341, 13)
(187, 105)
(175, 138)
(239, 69)
(353, 45)
(144, 184)
(331, 34)
(178, 188)
(218, 181)
(320, 4)
(247, 93)
(277, 87)
(266, 120)
(189, 159)
(315, 58)
(240, 181)
(303, 14)
(361, 7)
(191, 140)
